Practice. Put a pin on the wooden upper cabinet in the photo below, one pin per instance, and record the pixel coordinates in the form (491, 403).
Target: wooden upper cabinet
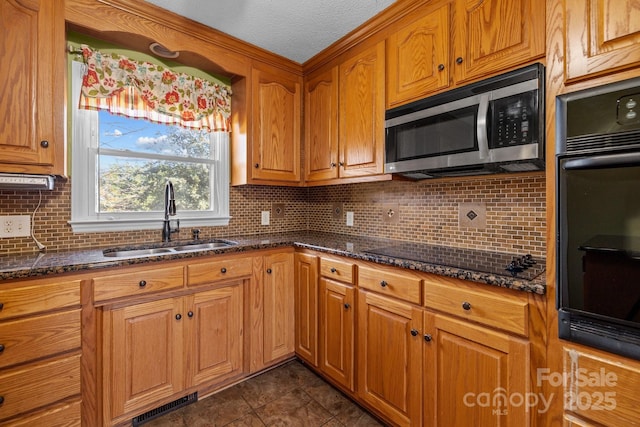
(275, 147)
(321, 126)
(601, 36)
(418, 57)
(361, 113)
(492, 35)
(32, 61)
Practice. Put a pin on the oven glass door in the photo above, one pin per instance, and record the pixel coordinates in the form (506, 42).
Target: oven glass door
(446, 133)
(599, 236)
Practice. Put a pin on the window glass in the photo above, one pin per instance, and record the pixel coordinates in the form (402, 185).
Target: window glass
(121, 165)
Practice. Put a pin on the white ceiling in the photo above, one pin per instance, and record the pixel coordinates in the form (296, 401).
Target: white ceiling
(295, 29)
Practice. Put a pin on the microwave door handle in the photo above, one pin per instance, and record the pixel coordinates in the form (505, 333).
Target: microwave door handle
(481, 127)
(610, 161)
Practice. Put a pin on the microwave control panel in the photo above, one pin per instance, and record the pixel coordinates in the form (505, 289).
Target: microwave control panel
(513, 120)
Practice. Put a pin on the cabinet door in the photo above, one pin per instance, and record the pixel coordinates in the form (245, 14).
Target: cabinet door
(602, 36)
(143, 354)
(306, 307)
(361, 115)
(278, 307)
(321, 126)
(390, 357)
(276, 126)
(492, 35)
(215, 332)
(473, 375)
(418, 58)
(32, 93)
(337, 315)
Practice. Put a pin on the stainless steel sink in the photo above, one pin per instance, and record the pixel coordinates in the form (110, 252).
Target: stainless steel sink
(129, 253)
(204, 246)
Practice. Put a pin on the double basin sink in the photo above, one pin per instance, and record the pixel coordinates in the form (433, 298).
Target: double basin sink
(166, 250)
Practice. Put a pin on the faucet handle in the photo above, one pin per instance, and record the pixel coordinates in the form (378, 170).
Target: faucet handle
(195, 232)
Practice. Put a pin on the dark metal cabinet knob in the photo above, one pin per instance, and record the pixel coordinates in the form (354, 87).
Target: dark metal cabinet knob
(347, 306)
(268, 271)
(178, 316)
(333, 270)
(190, 314)
(466, 305)
(383, 283)
(440, 67)
(427, 337)
(341, 164)
(459, 60)
(333, 164)
(414, 332)
(1, 348)
(223, 270)
(142, 283)
(1, 400)
(257, 165)
(44, 144)
(1, 305)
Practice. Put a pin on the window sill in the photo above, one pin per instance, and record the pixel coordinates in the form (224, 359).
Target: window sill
(110, 225)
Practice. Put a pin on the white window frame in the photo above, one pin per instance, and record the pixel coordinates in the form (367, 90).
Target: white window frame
(85, 216)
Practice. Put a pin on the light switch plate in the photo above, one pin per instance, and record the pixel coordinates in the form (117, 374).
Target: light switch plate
(265, 218)
(349, 219)
(15, 226)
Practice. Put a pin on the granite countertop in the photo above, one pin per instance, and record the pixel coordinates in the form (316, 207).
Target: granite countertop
(451, 262)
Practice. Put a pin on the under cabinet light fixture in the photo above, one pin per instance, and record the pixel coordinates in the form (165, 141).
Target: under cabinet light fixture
(11, 181)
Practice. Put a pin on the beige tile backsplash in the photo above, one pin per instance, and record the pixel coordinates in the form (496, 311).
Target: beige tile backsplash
(427, 211)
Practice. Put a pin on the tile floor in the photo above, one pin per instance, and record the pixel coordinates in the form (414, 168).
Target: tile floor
(289, 395)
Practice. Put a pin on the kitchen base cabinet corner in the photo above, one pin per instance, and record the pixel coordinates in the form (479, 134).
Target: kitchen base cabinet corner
(272, 312)
(306, 307)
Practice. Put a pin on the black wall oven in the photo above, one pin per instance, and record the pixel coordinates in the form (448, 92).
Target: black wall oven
(598, 212)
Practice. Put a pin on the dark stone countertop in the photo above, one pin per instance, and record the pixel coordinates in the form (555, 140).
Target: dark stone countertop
(448, 262)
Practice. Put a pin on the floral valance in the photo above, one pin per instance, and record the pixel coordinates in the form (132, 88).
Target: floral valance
(145, 90)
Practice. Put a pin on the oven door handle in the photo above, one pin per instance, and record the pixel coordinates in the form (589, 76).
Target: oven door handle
(600, 162)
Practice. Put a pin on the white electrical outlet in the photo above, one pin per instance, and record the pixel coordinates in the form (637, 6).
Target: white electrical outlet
(265, 218)
(349, 219)
(15, 226)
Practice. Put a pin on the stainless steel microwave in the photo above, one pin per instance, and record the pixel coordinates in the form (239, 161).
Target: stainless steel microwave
(492, 126)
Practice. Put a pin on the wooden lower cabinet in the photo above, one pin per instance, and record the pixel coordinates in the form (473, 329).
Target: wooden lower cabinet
(155, 350)
(390, 358)
(337, 314)
(143, 353)
(214, 327)
(474, 376)
(40, 352)
(279, 313)
(306, 307)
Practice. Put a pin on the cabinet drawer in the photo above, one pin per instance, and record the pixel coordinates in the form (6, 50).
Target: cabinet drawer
(343, 271)
(37, 385)
(32, 297)
(39, 336)
(66, 414)
(392, 282)
(507, 312)
(137, 283)
(198, 274)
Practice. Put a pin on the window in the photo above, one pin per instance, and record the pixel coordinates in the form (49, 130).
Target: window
(120, 166)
